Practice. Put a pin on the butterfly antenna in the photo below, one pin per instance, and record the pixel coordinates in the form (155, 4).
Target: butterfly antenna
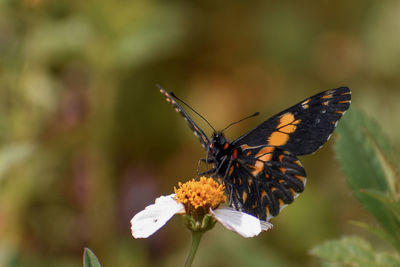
(183, 102)
(248, 117)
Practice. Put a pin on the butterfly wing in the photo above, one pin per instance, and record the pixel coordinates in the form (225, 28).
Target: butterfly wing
(196, 129)
(267, 175)
(303, 128)
(263, 180)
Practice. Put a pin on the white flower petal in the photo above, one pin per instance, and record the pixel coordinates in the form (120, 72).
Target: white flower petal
(239, 222)
(153, 217)
(265, 226)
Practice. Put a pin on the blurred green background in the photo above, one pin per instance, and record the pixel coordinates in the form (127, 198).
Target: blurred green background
(87, 140)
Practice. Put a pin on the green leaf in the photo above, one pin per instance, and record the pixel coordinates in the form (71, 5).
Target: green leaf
(379, 231)
(365, 155)
(354, 251)
(392, 204)
(90, 259)
(392, 207)
(357, 153)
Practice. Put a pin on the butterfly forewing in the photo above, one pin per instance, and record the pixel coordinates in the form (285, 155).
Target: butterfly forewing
(303, 128)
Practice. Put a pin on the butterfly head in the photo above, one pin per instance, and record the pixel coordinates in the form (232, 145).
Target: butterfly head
(218, 144)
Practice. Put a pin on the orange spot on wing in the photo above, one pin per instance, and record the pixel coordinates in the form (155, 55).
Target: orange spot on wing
(244, 146)
(288, 128)
(292, 191)
(231, 170)
(264, 158)
(258, 167)
(278, 139)
(286, 119)
(264, 155)
(244, 196)
(282, 169)
(263, 194)
(265, 151)
(327, 96)
(248, 153)
(251, 166)
(305, 103)
(296, 122)
(281, 203)
(301, 178)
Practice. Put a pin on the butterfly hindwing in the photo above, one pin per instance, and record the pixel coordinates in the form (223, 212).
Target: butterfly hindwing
(303, 128)
(265, 179)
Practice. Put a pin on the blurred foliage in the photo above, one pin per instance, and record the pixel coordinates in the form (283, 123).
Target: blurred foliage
(354, 251)
(87, 141)
(370, 163)
(374, 179)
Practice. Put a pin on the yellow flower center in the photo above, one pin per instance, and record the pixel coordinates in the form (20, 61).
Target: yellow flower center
(201, 194)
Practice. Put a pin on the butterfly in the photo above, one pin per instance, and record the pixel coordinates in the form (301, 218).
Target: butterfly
(260, 169)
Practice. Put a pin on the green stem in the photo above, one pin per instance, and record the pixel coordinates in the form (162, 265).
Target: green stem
(196, 237)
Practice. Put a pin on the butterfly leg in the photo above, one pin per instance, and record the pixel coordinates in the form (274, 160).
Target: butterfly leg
(214, 170)
(229, 185)
(198, 166)
(227, 169)
(223, 159)
(210, 171)
(206, 160)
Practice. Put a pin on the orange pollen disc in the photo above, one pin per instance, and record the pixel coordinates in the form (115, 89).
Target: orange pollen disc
(204, 193)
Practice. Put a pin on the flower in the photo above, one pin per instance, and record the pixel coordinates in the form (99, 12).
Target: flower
(199, 202)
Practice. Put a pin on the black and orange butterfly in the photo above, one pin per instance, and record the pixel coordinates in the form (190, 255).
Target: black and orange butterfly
(260, 169)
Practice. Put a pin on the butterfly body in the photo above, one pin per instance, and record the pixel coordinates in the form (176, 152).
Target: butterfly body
(260, 169)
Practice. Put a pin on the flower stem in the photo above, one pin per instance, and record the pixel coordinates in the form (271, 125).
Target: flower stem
(196, 237)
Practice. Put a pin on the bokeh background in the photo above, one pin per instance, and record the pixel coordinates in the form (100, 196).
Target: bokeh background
(87, 141)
